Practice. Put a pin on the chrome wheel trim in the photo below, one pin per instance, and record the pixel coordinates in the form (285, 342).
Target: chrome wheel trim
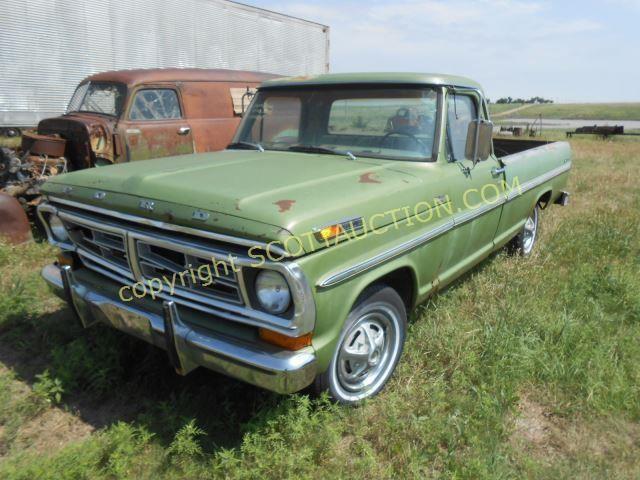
(367, 353)
(529, 232)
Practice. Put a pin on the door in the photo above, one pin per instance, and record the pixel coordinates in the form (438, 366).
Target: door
(211, 110)
(476, 192)
(155, 125)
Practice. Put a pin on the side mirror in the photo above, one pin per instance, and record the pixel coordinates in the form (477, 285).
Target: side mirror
(479, 137)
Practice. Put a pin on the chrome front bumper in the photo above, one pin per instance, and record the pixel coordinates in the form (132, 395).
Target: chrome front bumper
(188, 347)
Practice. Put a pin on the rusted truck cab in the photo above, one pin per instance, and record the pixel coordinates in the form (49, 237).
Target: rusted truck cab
(131, 115)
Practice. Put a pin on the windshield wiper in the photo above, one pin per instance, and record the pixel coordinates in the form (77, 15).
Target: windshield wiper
(315, 149)
(245, 146)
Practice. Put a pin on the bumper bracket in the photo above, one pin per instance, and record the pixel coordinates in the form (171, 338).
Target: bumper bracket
(174, 333)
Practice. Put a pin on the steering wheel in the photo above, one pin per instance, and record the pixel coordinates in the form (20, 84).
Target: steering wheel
(423, 147)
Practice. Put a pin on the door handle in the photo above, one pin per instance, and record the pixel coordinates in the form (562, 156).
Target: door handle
(497, 171)
(184, 130)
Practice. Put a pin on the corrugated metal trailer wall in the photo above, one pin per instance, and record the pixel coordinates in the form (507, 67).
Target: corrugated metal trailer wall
(48, 46)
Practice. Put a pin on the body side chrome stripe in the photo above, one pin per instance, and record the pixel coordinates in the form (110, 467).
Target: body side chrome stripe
(385, 256)
(470, 215)
(539, 180)
(358, 268)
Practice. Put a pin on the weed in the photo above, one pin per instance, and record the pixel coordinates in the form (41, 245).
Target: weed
(185, 445)
(47, 388)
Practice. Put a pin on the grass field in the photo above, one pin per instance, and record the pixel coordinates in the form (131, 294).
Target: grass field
(525, 368)
(579, 111)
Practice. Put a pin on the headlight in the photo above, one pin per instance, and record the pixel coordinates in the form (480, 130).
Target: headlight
(272, 291)
(58, 230)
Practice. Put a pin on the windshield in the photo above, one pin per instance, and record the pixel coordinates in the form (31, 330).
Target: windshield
(395, 123)
(98, 97)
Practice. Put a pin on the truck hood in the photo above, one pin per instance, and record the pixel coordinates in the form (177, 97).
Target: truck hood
(88, 136)
(297, 192)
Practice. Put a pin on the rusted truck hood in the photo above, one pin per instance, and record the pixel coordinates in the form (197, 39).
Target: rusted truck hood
(87, 135)
(291, 191)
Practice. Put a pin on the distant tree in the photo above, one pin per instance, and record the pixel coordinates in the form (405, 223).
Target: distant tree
(503, 100)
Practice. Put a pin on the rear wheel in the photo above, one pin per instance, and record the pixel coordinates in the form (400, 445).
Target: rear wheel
(368, 349)
(524, 242)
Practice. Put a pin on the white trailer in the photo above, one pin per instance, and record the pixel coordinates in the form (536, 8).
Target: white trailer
(48, 46)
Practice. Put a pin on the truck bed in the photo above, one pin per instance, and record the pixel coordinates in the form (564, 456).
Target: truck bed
(504, 147)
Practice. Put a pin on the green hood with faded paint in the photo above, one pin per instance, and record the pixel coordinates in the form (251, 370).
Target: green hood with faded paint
(296, 192)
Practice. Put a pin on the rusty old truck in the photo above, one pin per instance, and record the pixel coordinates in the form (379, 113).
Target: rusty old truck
(122, 116)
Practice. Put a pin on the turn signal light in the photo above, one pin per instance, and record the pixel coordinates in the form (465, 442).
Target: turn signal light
(327, 233)
(65, 259)
(348, 227)
(280, 340)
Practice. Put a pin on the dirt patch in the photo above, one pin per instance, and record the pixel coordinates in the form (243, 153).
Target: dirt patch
(536, 428)
(50, 431)
(27, 366)
(513, 110)
(46, 429)
(101, 413)
(547, 436)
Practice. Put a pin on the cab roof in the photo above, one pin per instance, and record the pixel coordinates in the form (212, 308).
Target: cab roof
(373, 78)
(150, 75)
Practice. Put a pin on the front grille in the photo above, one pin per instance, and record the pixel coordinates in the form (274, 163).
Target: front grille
(191, 274)
(194, 273)
(100, 246)
(132, 251)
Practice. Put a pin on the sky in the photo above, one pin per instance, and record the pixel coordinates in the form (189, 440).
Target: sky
(568, 51)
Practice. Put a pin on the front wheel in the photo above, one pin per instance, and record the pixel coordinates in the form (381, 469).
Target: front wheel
(524, 242)
(368, 349)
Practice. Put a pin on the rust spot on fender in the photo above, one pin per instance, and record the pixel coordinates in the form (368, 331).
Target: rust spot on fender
(284, 205)
(368, 177)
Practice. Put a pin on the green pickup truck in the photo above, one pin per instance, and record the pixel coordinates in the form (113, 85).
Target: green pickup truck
(292, 258)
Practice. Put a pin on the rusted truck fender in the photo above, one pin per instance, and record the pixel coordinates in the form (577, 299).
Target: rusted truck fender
(14, 224)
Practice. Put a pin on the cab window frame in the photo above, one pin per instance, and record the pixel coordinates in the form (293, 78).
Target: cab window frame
(322, 116)
(143, 88)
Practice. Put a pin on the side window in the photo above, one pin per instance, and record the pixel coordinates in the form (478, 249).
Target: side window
(278, 121)
(155, 104)
(461, 109)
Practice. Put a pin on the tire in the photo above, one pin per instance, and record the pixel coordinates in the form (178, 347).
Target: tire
(5, 164)
(368, 349)
(523, 243)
